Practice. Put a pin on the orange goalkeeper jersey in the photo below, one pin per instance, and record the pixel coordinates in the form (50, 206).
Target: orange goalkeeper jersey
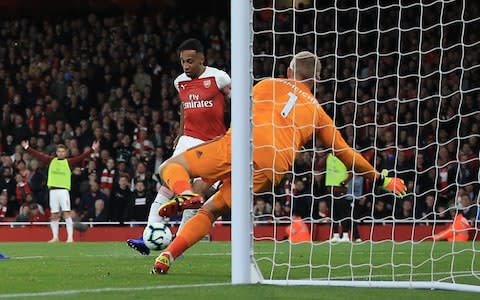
(285, 117)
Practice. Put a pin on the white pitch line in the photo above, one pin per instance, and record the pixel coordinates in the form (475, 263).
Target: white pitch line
(453, 274)
(126, 255)
(109, 289)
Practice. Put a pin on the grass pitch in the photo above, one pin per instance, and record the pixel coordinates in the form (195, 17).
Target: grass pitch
(114, 271)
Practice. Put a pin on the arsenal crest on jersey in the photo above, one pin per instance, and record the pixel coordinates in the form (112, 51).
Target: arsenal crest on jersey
(207, 83)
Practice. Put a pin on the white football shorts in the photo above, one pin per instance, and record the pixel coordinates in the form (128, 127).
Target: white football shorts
(186, 142)
(59, 200)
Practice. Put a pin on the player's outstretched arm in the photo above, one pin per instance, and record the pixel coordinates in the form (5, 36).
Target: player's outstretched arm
(392, 184)
(79, 158)
(330, 136)
(37, 154)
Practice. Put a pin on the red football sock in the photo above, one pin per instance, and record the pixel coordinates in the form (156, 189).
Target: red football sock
(177, 178)
(193, 231)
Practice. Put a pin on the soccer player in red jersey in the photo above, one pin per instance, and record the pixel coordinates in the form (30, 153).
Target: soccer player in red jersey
(202, 91)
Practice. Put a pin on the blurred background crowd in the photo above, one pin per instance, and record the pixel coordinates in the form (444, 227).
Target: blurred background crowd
(402, 86)
(406, 99)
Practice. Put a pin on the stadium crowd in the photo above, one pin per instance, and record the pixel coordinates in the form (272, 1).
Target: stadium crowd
(73, 80)
(413, 114)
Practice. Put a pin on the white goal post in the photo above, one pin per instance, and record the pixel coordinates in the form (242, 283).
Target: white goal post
(401, 81)
(242, 250)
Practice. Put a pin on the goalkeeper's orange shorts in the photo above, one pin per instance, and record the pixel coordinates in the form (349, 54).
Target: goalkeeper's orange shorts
(212, 161)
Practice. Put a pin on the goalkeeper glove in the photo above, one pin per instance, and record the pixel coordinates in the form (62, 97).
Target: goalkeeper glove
(392, 184)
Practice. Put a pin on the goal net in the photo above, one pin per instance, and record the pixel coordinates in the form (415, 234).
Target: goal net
(401, 81)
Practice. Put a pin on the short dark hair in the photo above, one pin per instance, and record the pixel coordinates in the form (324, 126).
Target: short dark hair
(191, 44)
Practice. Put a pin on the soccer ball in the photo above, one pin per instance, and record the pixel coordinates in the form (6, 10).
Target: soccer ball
(157, 236)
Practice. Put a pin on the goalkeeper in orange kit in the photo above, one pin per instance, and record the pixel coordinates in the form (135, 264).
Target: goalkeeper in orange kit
(286, 115)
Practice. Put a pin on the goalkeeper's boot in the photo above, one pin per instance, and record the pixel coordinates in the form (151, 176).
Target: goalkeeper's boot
(139, 246)
(162, 263)
(180, 202)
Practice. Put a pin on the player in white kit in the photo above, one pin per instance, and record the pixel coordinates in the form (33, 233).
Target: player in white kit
(202, 91)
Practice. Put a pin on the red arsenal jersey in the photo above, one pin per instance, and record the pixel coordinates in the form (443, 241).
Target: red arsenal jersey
(203, 103)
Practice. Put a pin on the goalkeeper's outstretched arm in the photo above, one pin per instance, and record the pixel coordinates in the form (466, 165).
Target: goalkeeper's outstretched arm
(330, 136)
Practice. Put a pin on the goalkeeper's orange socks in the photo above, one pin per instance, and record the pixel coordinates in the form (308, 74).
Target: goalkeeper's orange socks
(177, 178)
(193, 231)
(177, 247)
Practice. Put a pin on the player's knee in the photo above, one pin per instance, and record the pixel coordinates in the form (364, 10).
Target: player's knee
(206, 212)
(162, 167)
(169, 162)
